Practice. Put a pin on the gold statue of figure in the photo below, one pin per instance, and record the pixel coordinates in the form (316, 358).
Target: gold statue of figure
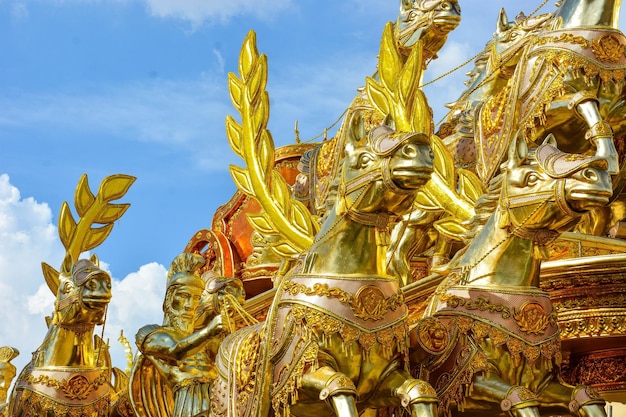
(7, 373)
(71, 372)
(175, 366)
(490, 336)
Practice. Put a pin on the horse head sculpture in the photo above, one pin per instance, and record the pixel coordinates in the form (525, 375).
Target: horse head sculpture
(490, 334)
(568, 83)
(334, 338)
(380, 175)
(81, 303)
(70, 372)
(428, 21)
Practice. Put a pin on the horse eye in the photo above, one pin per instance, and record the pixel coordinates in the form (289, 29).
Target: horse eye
(532, 179)
(364, 160)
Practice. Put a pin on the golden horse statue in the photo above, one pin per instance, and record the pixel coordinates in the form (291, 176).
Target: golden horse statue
(490, 335)
(493, 68)
(423, 24)
(70, 373)
(334, 340)
(568, 81)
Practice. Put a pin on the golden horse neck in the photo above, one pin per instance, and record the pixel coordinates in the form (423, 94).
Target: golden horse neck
(65, 346)
(345, 247)
(497, 257)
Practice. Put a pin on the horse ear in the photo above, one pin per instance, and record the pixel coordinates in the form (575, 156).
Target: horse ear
(390, 122)
(356, 132)
(502, 24)
(517, 152)
(94, 260)
(68, 262)
(550, 140)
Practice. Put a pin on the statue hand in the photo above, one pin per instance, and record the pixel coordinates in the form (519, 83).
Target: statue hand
(216, 325)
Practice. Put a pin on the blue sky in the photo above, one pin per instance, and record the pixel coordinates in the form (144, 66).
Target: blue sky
(139, 87)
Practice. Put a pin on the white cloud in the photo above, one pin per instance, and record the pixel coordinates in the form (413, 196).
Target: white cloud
(27, 237)
(220, 60)
(450, 87)
(138, 297)
(199, 11)
(42, 302)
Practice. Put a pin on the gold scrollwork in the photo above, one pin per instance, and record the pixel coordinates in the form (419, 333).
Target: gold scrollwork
(480, 303)
(32, 401)
(77, 387)
(369, 303)
(563, 38)
(391, 339)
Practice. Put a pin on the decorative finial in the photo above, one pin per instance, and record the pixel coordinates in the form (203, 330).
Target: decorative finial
(297, 132)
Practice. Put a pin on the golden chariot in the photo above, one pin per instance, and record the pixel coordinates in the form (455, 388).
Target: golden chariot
(475, 270)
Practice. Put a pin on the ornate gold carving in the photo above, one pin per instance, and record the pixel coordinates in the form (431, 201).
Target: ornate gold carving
(563, 38)
(605, 370)
(493, 112)
(517, 346)
(369, 303)
(600, 129)
(433, 335)
(593, 326)
(246, 360)
(34, 402)
(607, 48)
(480, 303)
(76, 387)
(532, 318)
(391, 339)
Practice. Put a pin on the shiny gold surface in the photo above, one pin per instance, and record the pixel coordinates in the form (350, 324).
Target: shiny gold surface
(490, 330)
(71, 373)
(176, 364)
(334, 338)
(7, 373)
(451, 254)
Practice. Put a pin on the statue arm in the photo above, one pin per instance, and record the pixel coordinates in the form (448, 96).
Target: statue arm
(163, 344)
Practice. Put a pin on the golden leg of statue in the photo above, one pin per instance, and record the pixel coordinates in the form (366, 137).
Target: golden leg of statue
(579, 400)
(516, 401)
(344, 405)
(334, 387)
